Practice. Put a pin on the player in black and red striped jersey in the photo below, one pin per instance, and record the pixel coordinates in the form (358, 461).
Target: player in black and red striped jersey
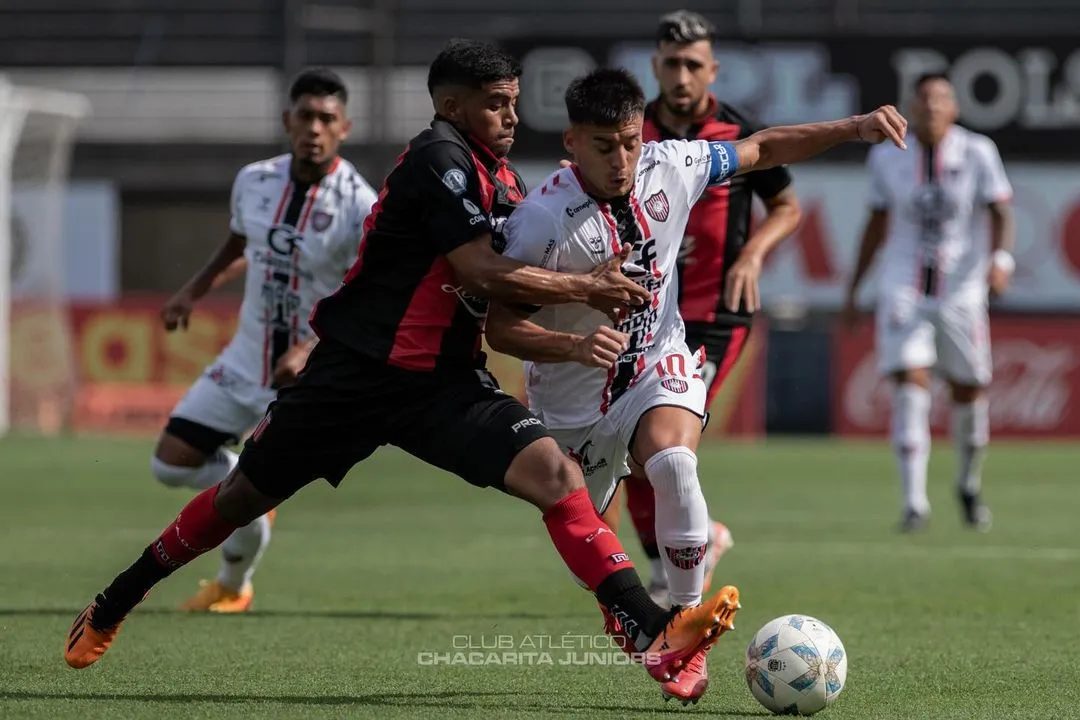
(398, 362)
(721, 259)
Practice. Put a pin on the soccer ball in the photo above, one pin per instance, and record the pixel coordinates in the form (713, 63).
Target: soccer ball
(796, 665)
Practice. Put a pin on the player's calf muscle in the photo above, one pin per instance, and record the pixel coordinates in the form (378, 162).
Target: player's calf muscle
(239, 502)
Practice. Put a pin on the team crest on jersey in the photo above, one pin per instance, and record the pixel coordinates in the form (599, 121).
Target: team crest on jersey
(657, 206)
(321, 220)
(675, 385)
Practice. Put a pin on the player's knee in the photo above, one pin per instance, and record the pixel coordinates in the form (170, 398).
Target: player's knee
(965, 394)
(172, 475)
(673, 473)
(543, 475)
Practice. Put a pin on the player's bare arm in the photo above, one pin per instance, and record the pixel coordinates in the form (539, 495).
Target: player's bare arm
(873, 235)
(1002, 237)
(511, 332)
(218, 270)
(485, 273)
(290, 364)
(788, 144)
(782, 217)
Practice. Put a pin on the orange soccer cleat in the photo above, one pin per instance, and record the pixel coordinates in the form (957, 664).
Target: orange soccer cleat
(692, 681)
(690, 630)
(681, 647)
(86, 643)
(215, 597)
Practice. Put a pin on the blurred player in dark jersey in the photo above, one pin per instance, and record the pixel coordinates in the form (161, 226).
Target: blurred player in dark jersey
(398, 362)
(721, 259)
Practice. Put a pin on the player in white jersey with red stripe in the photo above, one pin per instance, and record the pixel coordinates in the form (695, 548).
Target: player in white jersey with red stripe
(942, 212)
(634, 392)
(296, 224)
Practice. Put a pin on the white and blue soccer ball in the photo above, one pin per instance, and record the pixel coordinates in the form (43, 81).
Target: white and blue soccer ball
(796, 665)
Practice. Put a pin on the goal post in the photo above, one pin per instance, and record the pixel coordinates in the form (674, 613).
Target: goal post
(37, 367)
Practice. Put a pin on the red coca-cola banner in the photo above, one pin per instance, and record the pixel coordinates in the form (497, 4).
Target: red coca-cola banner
(1036, 381)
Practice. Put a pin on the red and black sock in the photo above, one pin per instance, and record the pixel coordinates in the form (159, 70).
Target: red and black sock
(198, 528)
(594, 554)
(641, 502)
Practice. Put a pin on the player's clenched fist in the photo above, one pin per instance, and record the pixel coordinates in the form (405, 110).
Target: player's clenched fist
(611, 292)
(177, 310)
(885, 123)
(602, 348)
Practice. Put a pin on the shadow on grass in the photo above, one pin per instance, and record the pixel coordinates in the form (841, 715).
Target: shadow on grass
(459, 700)
(317, 614)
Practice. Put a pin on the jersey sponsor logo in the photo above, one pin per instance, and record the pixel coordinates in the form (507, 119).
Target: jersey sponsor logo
(675, 385)
(477, 306)
(320, 220)
(547, 253)
(686, 558)
(571, 212)
(283, 239)
(455, 181)
(657, 206)
(648, 168)
(470, 207)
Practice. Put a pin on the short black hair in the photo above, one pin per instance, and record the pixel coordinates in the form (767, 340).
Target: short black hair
(605, 96)
(930, 77)
(471, 64)
(318, 81)
(683, 27)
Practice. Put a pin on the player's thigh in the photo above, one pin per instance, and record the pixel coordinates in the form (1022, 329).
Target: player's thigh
(319, 428)
(206, 417)
(963, 340)
(903, 339)
(601, 454)
(466, 426)
(665, 408)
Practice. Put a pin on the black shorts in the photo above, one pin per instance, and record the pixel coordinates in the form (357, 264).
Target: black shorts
(723, 346)
(344, 406)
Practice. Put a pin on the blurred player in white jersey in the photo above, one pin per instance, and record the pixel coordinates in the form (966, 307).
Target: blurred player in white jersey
(942, 259)
(634, 393)
(297, 220)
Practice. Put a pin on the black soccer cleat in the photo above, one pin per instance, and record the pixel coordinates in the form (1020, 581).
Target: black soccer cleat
(913, 521)
(977, 515)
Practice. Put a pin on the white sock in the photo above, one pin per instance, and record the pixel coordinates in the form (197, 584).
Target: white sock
(682, 522)
(971, 432)
(911, 443)
(241, 552)
(214, 470)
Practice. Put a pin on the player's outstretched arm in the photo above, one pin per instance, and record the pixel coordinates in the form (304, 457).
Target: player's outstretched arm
(226, 262)
(788, 144)
(511, 332)
(487, 274)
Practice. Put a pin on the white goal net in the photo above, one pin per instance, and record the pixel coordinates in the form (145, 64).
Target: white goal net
(37, 363)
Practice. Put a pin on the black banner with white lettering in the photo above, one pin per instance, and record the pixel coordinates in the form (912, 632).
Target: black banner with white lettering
(1023, 93)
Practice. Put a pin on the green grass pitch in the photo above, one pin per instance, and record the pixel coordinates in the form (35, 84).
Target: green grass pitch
(360, 583)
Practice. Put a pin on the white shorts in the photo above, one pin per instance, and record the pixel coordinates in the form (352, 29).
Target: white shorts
(223, 401)
(952, 337)
(602, 449)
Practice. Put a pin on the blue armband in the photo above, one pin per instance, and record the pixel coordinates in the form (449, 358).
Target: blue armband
(724, 161)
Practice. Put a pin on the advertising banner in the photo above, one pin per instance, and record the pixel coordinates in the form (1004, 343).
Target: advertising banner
(129, 372)
(1035, 391)
(1024, 92)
